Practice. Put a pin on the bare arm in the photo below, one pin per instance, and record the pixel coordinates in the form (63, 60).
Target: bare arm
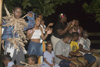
(62, 32)
(29, 34)
(47, 62)
(81, 49)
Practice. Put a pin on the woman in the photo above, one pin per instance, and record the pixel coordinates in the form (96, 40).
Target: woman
(34, 35)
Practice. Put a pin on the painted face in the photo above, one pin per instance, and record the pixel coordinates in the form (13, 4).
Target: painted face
(30, 61)
(17, 13)
(49, 47)
(37, 21)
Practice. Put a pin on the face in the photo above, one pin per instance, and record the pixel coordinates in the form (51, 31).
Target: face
(49, 47)
(30, 61)
(42, 22)
(76, 23)
(68, 40)
(85, 34)
(64, 19)
(76, 38)
(40, 16)
(37, 21)
(17, 13)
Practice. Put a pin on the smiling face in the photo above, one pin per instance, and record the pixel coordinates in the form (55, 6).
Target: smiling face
(17, 12)
(37, 22)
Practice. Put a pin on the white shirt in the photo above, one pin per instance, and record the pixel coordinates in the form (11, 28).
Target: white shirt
(43, 28)
(10, 64)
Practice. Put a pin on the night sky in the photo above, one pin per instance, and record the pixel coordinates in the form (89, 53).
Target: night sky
(75, 11)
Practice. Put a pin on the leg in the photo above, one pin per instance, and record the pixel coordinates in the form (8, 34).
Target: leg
(72, 65)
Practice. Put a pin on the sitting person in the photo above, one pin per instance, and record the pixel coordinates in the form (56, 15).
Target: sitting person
(62, 51)
(32, 62)
(49, 57)
(75, 47)
(84, 44)
(7, 61)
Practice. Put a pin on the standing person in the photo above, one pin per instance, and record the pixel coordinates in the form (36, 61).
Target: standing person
(34, 35)
(59, 29)
(13, 33)
(84, 44)
(49, 57)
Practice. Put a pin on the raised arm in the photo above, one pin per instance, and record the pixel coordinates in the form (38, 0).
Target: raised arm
(31, 21)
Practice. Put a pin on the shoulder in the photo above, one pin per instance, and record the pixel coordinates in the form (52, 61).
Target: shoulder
(59, 43)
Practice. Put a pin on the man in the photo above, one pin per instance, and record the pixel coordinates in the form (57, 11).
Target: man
(13, 33)
(62, 51)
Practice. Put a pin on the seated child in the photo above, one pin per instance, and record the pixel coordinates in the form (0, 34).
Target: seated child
(7, 61)
(32, 62)
(84, 44)
(49, 57)
(75, 47)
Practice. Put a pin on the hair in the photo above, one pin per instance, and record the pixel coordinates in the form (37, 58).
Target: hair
(16, 7)
(7, 57)
(83, 32)
(36, 16)
(67, 35)
(34, 58)
(59, 16)
(48, 43)
(75, 34)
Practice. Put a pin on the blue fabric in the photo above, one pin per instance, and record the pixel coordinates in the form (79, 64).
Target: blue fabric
(90, 58)
(35, 49)
(8, 30)
(64, 63)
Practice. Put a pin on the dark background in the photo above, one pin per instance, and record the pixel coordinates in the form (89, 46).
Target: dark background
(75, 11)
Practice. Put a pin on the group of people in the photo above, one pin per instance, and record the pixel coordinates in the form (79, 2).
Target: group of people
(69, 45)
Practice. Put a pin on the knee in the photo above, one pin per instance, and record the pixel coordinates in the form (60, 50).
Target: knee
(72, 65)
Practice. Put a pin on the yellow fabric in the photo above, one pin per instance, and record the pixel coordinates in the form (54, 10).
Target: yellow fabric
(43, 46)
(74, 46)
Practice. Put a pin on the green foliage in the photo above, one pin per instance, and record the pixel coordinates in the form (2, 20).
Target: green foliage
(93, 8)
(45, 7)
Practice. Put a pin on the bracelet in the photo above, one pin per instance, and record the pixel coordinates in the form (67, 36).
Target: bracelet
(71, 25)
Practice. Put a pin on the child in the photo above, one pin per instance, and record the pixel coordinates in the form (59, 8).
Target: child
(7, 61)
(49, 57)
(32, 62)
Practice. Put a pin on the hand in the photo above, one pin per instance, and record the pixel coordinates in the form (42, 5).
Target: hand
(53, 64)
(93, 50)
(30, 14)
(68, 24)
(51, 24)
(79, 54)
(49, 31)
(73, 58)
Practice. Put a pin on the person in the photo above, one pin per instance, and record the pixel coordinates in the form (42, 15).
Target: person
(75, 48)
(7, 61)
(76, 28)
(59, 29)
(43, 26)
(49, 57)
(32, 62)
(84, 44)
(13, 33)
(34, 35)
(63, 50)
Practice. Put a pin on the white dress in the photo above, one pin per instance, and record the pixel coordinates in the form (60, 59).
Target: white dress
(49, 58)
